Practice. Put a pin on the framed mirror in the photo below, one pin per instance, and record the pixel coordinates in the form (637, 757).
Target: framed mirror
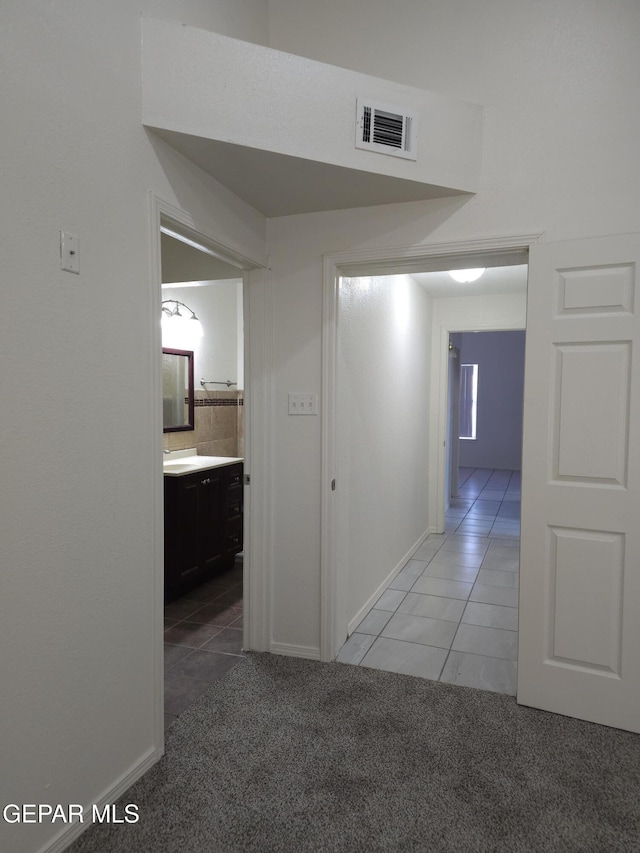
(177, 390)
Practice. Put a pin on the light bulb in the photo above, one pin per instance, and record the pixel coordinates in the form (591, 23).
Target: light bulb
(463, 276)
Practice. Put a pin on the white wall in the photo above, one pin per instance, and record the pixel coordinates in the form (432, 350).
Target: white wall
(557, 82)
(77, 531)
(382, 426)
(218, 306)
(500, 360)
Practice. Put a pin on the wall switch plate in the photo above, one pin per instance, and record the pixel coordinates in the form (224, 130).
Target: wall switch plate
(69, 252)
(303, 403)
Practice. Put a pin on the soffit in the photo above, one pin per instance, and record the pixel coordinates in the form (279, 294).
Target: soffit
(281, 185)
(283, 132)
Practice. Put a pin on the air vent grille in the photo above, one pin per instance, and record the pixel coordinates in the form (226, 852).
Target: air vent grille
(386, 129)
(366, 125)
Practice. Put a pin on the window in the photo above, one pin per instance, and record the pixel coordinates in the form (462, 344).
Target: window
(468, 400)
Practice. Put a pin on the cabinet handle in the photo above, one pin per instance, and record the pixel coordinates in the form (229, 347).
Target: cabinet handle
(206, 482)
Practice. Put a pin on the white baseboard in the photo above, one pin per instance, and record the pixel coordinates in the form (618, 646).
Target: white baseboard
(310, 652)
(366, 607)
(73, 830)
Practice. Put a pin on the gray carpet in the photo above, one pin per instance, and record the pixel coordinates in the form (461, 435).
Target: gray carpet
(293, 755)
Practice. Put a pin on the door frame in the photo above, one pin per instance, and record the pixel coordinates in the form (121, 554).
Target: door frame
(383, 261)
(256, 303)
(439, 380)
(452, 452)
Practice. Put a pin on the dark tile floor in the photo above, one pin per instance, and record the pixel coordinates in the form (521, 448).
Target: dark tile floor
(202, 640)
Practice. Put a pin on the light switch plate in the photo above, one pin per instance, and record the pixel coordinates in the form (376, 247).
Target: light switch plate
(303, 403)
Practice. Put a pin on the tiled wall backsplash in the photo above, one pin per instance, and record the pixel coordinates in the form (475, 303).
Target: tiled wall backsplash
(219, 425)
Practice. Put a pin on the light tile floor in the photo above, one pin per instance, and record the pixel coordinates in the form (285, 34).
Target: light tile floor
(451, 614)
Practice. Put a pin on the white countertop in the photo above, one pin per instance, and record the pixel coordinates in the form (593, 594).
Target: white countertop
(180, 462)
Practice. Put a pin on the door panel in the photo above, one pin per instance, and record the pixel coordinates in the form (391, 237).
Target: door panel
(579, 644)
(589, 637)
(592, 389)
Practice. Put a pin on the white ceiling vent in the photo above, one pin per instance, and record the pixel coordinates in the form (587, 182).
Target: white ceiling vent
(386, 129)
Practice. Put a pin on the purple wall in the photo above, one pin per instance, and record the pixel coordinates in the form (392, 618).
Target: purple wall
(500, 360)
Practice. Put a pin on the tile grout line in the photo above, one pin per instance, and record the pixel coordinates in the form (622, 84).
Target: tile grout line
(455, 523)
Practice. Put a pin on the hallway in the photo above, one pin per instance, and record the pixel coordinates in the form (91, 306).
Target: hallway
(451, 614)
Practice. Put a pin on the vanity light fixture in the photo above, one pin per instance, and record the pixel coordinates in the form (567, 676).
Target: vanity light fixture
(463, 276)
(178, 329)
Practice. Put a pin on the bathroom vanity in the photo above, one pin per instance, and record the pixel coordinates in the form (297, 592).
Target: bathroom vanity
(202, 518)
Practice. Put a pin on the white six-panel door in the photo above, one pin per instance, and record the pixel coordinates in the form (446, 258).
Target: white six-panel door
(579, 630)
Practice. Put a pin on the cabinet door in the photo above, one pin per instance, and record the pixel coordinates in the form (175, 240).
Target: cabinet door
(180, 529)
(209, 518)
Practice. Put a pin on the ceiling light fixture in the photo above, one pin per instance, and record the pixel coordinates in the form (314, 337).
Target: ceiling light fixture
(464, 276)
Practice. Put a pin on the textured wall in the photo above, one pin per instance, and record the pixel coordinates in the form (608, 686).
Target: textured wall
(78, 536)
(557, 82)
(383, 426)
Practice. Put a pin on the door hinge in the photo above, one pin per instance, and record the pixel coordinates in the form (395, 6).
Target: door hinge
(333, 485)
(246, 479)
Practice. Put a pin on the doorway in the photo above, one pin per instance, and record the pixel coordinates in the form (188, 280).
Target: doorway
(450, 612)
(194, 264)
(204, 594)
(446, 314)
(444, 603)
(484, 403)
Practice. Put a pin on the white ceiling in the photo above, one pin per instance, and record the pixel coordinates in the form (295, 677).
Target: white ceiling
(280, 185)
(494, 280)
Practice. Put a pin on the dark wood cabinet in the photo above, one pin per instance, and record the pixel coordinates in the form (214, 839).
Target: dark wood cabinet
(202, 525)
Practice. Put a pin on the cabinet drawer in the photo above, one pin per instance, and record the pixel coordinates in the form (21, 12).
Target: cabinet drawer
(233, 534)
(234, 508)
(234, 542)
(234, 477)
